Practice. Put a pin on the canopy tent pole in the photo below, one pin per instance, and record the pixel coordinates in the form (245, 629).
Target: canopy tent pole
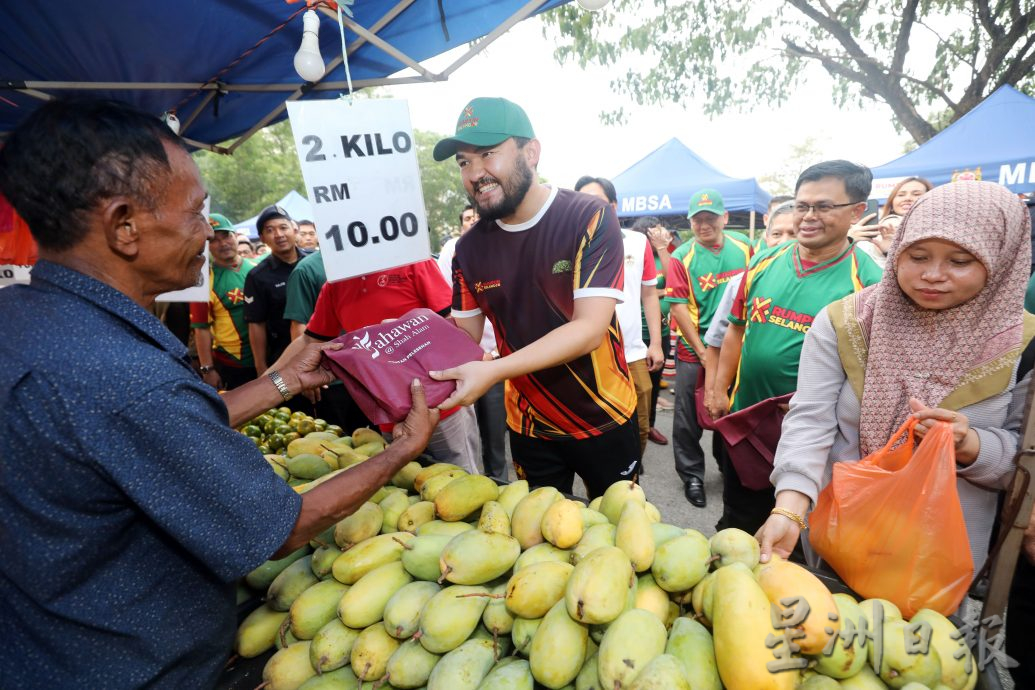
(481, 45)
(751, 225)
(185, 124)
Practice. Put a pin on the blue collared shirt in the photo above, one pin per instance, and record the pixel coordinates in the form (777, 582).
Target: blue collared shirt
(128, 506)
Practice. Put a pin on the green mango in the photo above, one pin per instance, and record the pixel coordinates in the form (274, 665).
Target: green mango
(494, 518)
(476, 557)
(332, 646)
(816, 681)
(662, 532)
(288, 668)
(371, 652)
(598, 588)
(588, 678)
(402, 612)
(558, 648)
(416, 515)
(593, 538)
(442, 528)
(617, 495)
(865, 679)
(511, 495)
(292, 581)
(842, 662)
(370, 449)
(592, 517)
(522, 633)
(405, 476)
(691, 643)
(429, 491)
(284, 636)
(349, 567)
(954, 671)
(340, 679)
(509, 673)
(276, 462)
(732, 545)
(364, 603)
(451, 616)
(681, 563)
(315, 607)
(496, 618)
(366, 522)
(324, 538)
(634, 536)
(631, 641)
(392, 506)
(308, 466)
(898, 667)
(242, 592)
(421, 556)
(410, 665)
(463, 668)
(258, 631)
(262, 577)
(323, 560)
(663, 672)
(539, 553)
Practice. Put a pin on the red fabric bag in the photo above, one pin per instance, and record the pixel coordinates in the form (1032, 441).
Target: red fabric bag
(379, 362)
(891, 525)
(751, 437)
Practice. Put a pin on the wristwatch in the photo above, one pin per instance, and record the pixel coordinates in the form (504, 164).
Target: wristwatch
(204, 369)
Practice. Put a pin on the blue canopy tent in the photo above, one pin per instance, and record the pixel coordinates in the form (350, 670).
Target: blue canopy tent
(994, 142)
(216, 62)
(297, 206)
(663, 182)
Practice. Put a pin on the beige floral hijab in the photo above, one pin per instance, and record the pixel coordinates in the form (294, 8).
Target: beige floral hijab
(893, 350)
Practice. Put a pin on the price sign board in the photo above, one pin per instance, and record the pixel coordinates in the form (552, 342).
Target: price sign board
(11, 274)
(360, 168)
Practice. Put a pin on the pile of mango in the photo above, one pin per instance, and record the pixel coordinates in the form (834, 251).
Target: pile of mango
(322, 454)
(445, 581)
(274, 429)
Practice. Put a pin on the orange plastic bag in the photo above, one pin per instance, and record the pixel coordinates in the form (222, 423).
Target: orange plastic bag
(891, 525)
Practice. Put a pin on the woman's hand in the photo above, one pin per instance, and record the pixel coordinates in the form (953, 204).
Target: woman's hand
(965, 439)
(861, 231)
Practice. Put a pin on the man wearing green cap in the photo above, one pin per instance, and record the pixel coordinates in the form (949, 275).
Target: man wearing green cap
(545, 267)
(220, 331)
(697, 274)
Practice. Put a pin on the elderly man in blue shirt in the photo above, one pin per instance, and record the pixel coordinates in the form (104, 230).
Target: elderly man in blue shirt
(129, 504)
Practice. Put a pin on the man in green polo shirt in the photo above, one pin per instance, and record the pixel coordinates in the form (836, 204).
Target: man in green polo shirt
(783, 290)
(697, 274)
(220, 331)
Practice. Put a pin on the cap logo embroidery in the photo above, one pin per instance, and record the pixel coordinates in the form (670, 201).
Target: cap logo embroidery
(213, 222)
(705, 200)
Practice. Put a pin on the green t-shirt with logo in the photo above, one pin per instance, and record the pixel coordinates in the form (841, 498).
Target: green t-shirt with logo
(778, 301)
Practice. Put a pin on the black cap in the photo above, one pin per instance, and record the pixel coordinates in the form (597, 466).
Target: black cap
(269, 213)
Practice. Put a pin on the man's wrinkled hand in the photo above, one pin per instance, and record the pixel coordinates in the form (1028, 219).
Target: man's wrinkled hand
(304, 371)
(413, 433)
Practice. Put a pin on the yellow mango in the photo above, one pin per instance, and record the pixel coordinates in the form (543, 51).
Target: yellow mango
(532, 591)
(339, 679)
(416, 515)
(421, 556)
(494, 518)
(410, 665)
(349, 567)
(599, 586)
(392, 506)
(402, 612)
(323, 560)
(258, 631)
(288, 668)
(311, 446)
(405, 476)
(594, 538)
(653, 514)
(733, 545)
(528, 515)
(691, 643)
(588, 678)
(292, 581)
(592, 517)
(429, 490)
(443, 528)
(365, 435)
(315, 607)
(496, 617)
(631, 641)
(476, 557)
(308, 466)
(451, 616)
(842, 662)
(511, 495)
(595, 503)
(262, 577)
(702, 599)
(463, 668)
(428, 472)
(463, 496)
(539, 553)
(865, 679)
(558, 648)
(361, 525)
(371, 652)
(740, 625)
(634, 536)
(370, 449)
(617, 495)
(652, 598)
(899, 667)
(663, 672)
(562, 523)
(332, 646)
(781, 579)
(364, 603)
(511, 673)
(523, 631)
(954, 672)
(681, 563)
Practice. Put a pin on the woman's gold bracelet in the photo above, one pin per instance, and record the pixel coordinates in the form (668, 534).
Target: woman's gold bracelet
(792, 516)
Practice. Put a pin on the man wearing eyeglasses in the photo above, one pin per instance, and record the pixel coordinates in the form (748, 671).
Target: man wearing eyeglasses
(782, 292)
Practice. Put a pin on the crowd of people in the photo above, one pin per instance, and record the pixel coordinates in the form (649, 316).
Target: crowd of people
(821, 336)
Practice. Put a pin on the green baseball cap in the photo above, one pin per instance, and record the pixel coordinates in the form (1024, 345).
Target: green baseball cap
(706, 200)
(220, 222)
(486, 122)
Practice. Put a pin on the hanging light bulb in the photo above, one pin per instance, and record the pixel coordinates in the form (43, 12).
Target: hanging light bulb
(593, 5)
(173, 122)
(308, 61)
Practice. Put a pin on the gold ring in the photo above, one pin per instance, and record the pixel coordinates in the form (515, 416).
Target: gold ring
(955, 416)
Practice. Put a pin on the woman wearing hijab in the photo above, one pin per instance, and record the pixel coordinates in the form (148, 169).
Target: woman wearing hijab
(939, 338)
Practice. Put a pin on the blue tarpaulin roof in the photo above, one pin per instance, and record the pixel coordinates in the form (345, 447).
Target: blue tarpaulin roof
(157, 54)
(663, 182)
(995, 142)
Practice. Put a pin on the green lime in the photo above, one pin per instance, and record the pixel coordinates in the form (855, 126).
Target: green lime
(252, 430)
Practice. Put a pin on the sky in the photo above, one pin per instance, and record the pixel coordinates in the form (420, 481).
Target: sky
(564, 103)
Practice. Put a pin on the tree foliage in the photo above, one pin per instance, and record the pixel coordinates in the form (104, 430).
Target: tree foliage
(265, 168)
(799, 156)
(941, 55)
